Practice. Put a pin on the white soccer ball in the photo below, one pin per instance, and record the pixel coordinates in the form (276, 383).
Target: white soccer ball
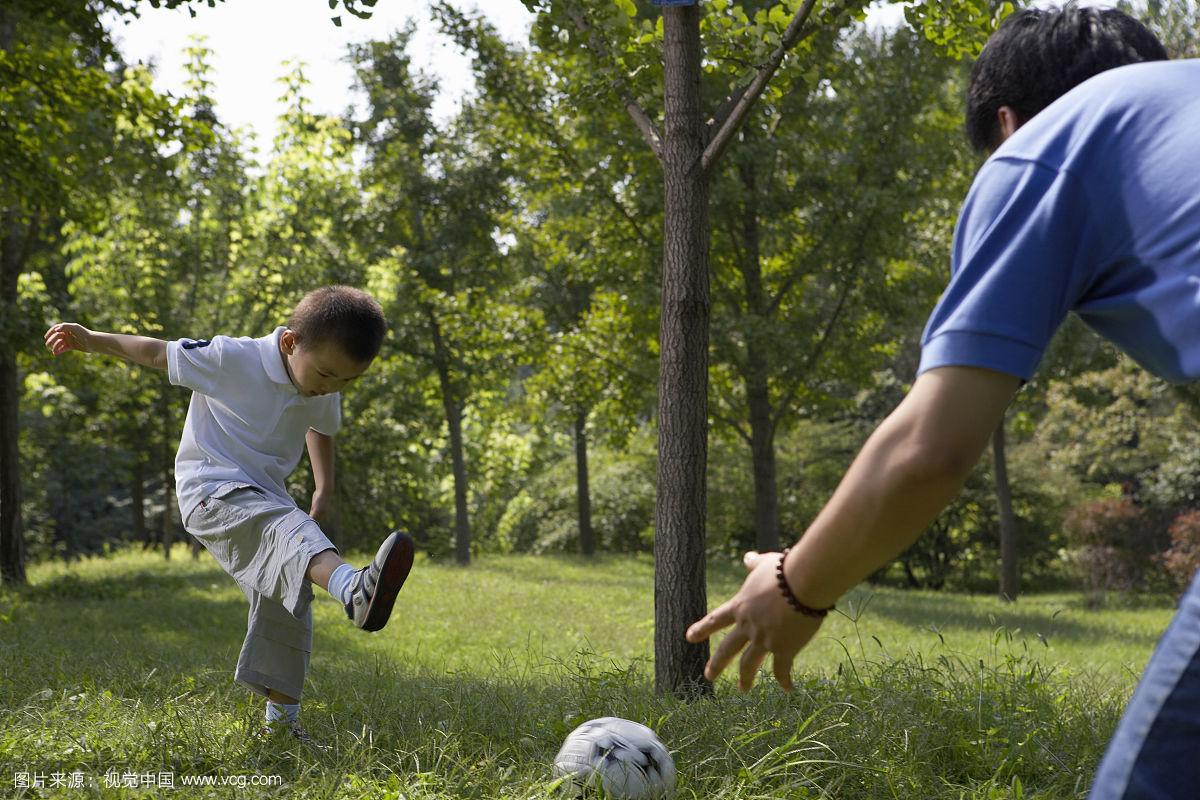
(623, 757)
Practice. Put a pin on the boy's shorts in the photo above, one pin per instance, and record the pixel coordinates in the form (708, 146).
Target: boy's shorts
(266, 546)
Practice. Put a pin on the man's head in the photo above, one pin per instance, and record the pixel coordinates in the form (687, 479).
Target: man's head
(332, 337)
(1038, 55)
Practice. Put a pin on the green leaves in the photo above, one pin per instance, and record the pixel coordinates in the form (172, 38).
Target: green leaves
(958, 27)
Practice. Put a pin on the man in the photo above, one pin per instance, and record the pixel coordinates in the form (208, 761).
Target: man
(1090, 203)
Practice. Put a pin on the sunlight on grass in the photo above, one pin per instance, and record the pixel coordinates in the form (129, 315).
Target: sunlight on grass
(125, 664)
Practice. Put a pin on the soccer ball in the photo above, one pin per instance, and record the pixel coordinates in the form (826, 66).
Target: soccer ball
(623, 757)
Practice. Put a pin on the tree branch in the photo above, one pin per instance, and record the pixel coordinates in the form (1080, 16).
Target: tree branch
(643, 122)
(815, 353)
(796, 30)
(734, 425)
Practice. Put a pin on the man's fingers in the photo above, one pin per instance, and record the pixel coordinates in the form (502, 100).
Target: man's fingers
(752, 659)
(783, 669)
(703, 628)
(724, 653)
(750, 560)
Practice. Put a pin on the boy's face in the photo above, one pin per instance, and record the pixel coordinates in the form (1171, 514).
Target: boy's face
(323, 369)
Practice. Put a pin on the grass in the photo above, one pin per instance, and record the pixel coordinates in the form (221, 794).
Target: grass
(125, 664)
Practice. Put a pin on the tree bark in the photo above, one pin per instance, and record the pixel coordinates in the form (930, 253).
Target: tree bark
(680, 595)
(12, 540)
(453, 411)
(587, 539)
(1010, 581)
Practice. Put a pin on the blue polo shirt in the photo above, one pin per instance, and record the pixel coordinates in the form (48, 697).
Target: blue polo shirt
(1091, 207)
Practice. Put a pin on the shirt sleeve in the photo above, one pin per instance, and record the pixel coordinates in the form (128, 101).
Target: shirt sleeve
(1021, 260)
(329, 419)
(196, 363)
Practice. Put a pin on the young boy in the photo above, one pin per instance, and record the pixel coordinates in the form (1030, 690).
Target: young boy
(255, 403)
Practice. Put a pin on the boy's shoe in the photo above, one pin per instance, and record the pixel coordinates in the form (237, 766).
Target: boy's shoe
(295, 731)
(373, 588)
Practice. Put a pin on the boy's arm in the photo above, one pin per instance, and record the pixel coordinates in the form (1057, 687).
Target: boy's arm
(139, 349)
(910, 468)
(320, 453)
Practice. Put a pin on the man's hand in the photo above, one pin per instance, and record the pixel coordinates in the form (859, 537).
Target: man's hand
(763, 623)
(321, 505)
(69, 336)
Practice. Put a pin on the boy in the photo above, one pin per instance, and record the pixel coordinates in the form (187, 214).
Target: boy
(255, 403)
(1089, 204)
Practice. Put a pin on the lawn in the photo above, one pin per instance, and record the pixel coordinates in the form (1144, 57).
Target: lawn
(117, 670)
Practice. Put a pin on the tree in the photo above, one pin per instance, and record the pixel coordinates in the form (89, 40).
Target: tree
(55, 166)
(436, 200)
(584, 239)
(79, 123)
(625, 46)
(814, 289)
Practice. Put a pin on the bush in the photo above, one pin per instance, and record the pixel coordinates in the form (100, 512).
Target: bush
(545, 516)
(1115, 545)
(1182, 559)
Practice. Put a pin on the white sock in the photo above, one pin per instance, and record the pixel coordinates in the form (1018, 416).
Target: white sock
(277, 712)
(339, 583)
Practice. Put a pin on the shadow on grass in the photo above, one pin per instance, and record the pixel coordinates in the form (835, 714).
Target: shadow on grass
(921, 611)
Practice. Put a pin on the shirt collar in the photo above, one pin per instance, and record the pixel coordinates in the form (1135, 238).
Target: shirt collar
(272, 358)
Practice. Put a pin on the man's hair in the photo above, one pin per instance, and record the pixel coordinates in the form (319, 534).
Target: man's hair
(342, 315)
(1038, 55)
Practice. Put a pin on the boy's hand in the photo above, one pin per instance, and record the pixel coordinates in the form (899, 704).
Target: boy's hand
(763, 623)
(321, 503)
(69, 336)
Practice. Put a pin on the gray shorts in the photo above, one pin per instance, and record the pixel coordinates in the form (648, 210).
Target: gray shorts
(266, 546)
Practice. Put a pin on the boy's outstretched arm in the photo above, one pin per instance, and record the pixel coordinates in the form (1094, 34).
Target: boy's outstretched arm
(909, 469)
(320, 453)
(139, 349)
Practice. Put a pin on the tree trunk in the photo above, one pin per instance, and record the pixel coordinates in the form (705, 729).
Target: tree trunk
(137, 498)
(12, 541)
(167, 463)
(453, 410)
(679, 568)
(1009, 576)
(462, 525)
(762, 450)
(758, 371)
(587, 540)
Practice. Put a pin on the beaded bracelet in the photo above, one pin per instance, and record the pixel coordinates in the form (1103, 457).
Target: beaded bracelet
(793, 601)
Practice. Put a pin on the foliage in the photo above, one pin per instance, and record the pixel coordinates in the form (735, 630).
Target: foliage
(1182, 559)
(1115, 542)
(959, 27)
(1113, 426)
(543, 516)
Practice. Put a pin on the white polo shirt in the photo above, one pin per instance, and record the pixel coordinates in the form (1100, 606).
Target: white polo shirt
(246, 422)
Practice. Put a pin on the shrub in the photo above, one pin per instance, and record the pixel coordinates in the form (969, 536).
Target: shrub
(1115, 543)
(545, 516)
(1182, 559)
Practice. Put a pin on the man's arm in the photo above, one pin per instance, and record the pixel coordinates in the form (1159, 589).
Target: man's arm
(320, 453)
(142, 350)
(912, 466)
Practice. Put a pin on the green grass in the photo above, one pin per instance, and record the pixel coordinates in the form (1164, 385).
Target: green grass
(125, 664)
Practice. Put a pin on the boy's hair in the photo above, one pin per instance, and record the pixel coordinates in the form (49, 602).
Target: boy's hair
(1038, 55)
(343, 315)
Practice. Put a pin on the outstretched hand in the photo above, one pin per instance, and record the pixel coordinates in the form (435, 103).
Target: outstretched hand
(763, 623)
(68, 336)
